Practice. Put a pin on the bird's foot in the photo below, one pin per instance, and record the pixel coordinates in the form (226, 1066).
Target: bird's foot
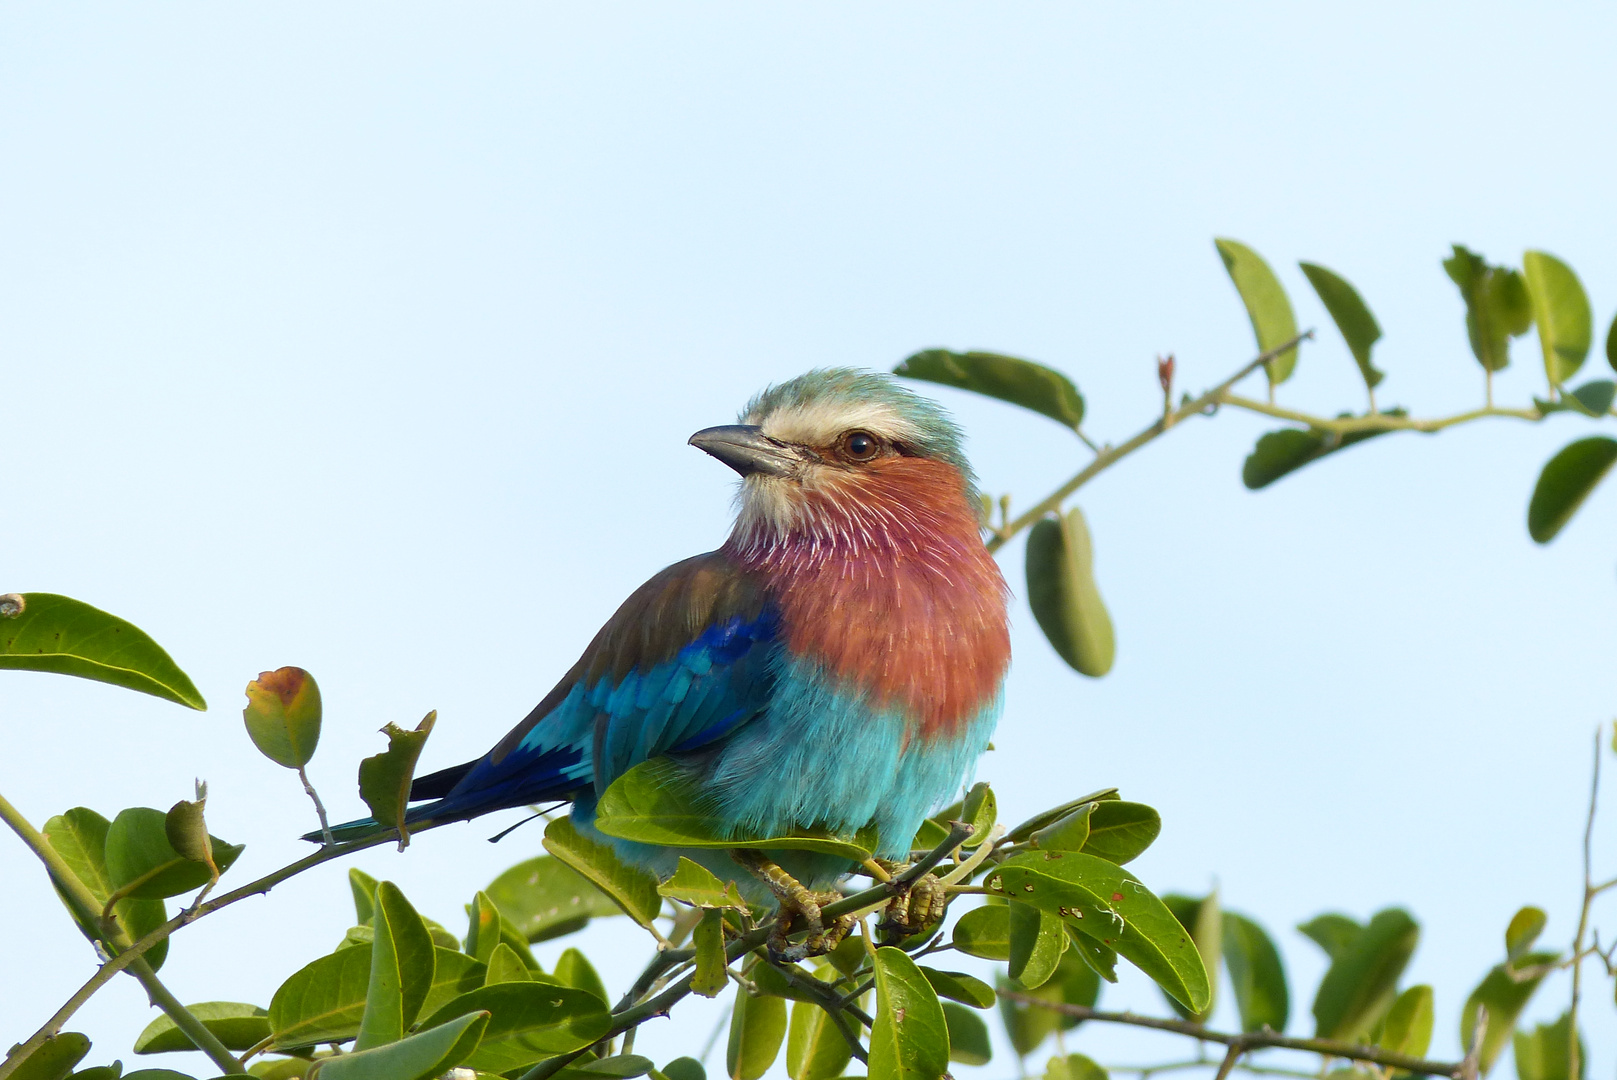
(796, 901)
(915, 909)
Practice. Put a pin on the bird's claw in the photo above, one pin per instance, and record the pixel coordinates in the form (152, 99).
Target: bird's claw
(921, 905)
(796, 901)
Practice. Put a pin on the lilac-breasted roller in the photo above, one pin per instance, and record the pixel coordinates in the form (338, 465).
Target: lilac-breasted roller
(837, 663)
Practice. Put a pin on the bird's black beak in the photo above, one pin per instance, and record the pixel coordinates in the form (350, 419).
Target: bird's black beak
(747, 450)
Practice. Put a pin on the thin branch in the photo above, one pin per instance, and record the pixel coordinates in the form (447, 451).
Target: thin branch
(1574, 1051)
(319, 808)
(1345, 425)
(1250, 1041)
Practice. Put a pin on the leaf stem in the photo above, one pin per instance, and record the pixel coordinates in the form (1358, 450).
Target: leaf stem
(319, 808)
(1240, 1044)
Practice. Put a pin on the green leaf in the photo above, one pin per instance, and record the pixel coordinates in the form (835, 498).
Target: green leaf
(1008, 378)
(1331, 932)
(1100, 959)
(528, 1022)
(1069, 833)
(711, 964)
(698, 886)
(656, 803)
(283, 715)
(930, 834)
(1351, 315)
(684, 1068)
(363, 887)
(910, 1040)
(1257, 977)
(504, 965)
(1107, 903)
(1204, 921)
(1266, 305)
(633, 890)
(157, 1074)
(322, 1001)
(68, 637)
(1363, 978)
(757, 1028)
(454, 973)
(80, 838)
(1497, 307)
(1074, 1067)
(1567, 479)
(295, 1068)
(622, 1066)
(143, 864)
(1524, 928)
(1505, 996)
(1037, 941)
(1055, 813)
(1407, 1029)
(815, 1049)
(1611, 343)
(1061, 590)
(186, 829)
(545, 898)
(419, 1057)
(968, 1036)
(402, 966)
(236, 1024)
(1593, 398)
(1279, 453)
(55, 1059)
(1029, 1025)
(985, 932)
(99, 1072)
(574, 969)
(1561, 310)
(980, 811)
(1545, 1053)
(384, 779)
(1120, 831)
(958, 986)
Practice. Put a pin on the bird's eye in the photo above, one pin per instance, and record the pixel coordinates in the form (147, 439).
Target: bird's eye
(860, 446)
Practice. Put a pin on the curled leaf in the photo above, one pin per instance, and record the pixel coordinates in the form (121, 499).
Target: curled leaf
(384, 779)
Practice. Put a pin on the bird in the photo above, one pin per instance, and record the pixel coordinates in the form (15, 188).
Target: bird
(838, 662)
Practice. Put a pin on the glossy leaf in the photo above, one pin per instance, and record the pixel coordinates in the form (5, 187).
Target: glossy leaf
(695, 884)
(1257, 976)
(910, 1040)
(1037, 941)
(1008, 378)
(363, 888)
(815, 1049)
(1545, 1052)
(322, 1001)
(422, 1056)
(504, 965)
(1363, 978)
(968, 1036)
(980, 810)
(684, 1068)
(1069, 833)
(402, 967)
(1203, 919)
(1061, 590)
(708, 941)
(453, 974)
(1561, 311)
(633, 890)
(100, 1072)
(69, 637)
(1566, 480)
(574, 969)
(1120, 831)
(80, 838)
(487, 928)
(621, 1066)
(384, 779)
(283, 715)
(1280, 453)
(55, 1059)
(958, 986)
(1098, 898)
(1407, 1029)
(757, 1028)
(984, 932)
(236, 1024)
(1525, 927)
(1497, 307)
(1351, 315)
(546, 898)
(1331, 932)
(1266, 305)
(1505, 997)
(656, 803)
(1038, 821)
(1100, 959)
(142, 863)
(528, 1022)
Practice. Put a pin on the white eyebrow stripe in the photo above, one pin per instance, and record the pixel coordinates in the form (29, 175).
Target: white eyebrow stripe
(819, 423)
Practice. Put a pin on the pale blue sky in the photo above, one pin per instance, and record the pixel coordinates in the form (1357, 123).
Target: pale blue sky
(368, 337)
